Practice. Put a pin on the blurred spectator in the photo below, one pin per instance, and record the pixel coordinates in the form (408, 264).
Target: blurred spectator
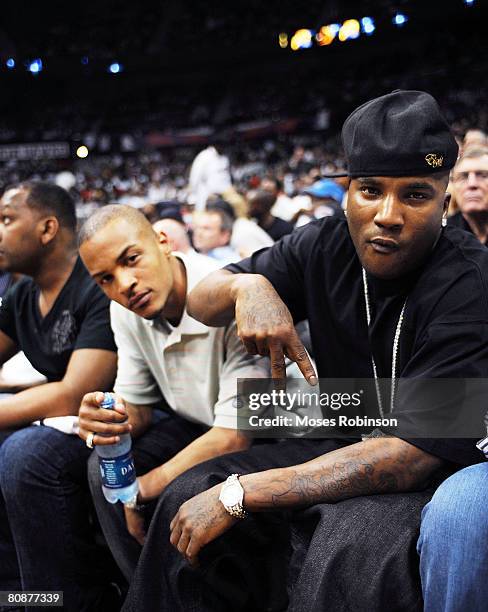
(222, 205)
(170, 209)
(260, 204)
(150, 211)
(326, 201)
(326, 197)
(176, 233)
(212, 231)
(284, 206)
(247, 236)
(178, 237)
(470, 179)
(475, 138)
(209, 174)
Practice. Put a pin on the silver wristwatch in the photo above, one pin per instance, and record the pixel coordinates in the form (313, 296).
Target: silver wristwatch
(232, 496)
(133, 505)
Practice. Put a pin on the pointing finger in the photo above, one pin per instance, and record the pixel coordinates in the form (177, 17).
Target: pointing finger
(297, 353)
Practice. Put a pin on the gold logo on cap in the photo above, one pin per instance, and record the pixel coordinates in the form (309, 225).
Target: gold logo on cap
(434, 160)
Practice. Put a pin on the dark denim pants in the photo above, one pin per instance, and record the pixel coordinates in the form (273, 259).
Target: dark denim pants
(46, 539)
(355, 555)
(164, 439)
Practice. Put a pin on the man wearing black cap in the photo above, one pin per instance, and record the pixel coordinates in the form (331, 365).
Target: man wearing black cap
(388, 293)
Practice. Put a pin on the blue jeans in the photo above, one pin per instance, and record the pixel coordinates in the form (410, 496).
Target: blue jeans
(453, 544)
(46, 539)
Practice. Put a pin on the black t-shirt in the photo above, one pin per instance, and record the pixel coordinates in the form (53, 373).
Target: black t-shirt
(78, 319)
(279, 228)
(317, 273)
(458, 220)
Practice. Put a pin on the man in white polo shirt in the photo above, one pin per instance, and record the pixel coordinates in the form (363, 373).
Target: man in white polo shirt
(166, 360)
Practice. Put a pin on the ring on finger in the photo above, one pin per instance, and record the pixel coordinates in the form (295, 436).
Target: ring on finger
(89, 439)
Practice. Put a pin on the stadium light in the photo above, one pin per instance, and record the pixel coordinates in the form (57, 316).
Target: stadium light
(82, 152)
(35, 66)
(334, 28)
(367, 25)
(115, 68)
(400, 19)
(283, 40)
(302, 39)
(326, 35)
(10, 63)
(350, 29)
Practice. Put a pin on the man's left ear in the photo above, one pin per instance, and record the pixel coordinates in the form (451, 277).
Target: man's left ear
(49, 228)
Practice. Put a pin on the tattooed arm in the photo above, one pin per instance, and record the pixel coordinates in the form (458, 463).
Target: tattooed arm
(264, 323)
(213, 300)
(378, 465)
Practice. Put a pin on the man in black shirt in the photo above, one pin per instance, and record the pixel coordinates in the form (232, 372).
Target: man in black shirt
(470, 178)
(60, 319)
(260, 204)
(388, 294)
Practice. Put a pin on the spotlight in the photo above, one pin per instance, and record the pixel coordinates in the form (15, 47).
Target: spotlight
(349, 30)
(334, 28)
(10, 63)
(35, 66)
(469, 2)
(84, 60)
(82, 152)
(302, 39)
(325, 35)
(115, 68)
(367, 25)
(400, 19)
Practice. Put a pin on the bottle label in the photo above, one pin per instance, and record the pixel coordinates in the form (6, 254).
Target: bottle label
(117, 472)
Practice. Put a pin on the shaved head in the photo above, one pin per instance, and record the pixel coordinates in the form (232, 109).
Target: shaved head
(176, 232)
(131, 263)
(112, 212)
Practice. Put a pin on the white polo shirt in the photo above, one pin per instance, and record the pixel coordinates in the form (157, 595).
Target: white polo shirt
(193, 366)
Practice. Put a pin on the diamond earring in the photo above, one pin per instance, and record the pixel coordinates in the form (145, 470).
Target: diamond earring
(444, 222)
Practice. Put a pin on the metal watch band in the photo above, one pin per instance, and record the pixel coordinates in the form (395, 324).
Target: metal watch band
(236, 511)
(133, 505)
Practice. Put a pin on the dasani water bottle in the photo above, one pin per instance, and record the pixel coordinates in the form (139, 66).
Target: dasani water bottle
(117, 465)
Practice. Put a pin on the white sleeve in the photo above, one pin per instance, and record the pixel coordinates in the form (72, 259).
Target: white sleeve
(238, 364)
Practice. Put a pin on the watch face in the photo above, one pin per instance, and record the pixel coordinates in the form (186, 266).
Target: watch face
(231, 494)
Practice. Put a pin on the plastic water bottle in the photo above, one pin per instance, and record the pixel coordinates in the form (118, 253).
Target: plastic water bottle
(117, 465)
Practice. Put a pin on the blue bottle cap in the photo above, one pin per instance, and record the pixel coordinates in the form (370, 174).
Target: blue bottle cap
(108, 401)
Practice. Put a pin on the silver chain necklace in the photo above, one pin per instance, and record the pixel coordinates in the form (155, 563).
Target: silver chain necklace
(396, 340)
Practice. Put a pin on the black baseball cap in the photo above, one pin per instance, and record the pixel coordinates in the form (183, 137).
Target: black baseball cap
(400, 134)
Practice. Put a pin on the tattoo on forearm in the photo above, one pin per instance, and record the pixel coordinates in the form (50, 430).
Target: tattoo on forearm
(392, 468)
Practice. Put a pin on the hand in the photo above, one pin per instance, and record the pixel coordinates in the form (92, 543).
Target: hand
(265, 326)
(134, 519)
(151, 485)
(111, 423)
(199, 521)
